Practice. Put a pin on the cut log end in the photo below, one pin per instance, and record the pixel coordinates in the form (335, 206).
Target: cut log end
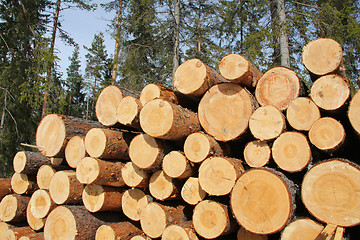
(134, 176)
(95, 142)
(176, 165)
(60, 224)
(41, 203)
(87, 170)
(303, 228)
(302, 113)
(133, 201)
(191, 192)
(98, 198)
(128, 112)
(153, 220)
(257, 153)
(35, 223)
(62, 187)
(19, 161)
(173, 232)
(22, 184)
(354, 112)
(75, 151)
(105, 232)
(13, 208)
(161, 186)
(106, 105)
(44, 176)
(144, 151)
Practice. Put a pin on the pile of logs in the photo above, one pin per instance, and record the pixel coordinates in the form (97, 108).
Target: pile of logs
(234, 154)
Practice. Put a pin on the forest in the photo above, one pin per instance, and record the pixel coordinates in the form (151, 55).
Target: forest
(152, 38)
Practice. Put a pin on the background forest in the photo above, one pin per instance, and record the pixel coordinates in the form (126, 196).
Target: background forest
(152, 37)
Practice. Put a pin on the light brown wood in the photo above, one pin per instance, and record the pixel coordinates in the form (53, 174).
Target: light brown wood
(354, 112)
(163, 187)
(45, 173)
(225, 110)
(133, 201)
(193, 78)
(41, 203)
(29, 162)
(134, 176)
(217, 175)
(327, 134)
(191, 191)
(5, 187)
(339, 233)
(152, 91)
(243, 234)
(23, 184)
(257, 153)
(98, 198)
(180, 231)
(165, 120)
(128, 112)
(33, 222)
(302, 229)
(322, 56)
(3, 227)
(330, 190)
(237, 69)
(140, 237)
(16, 233)
(262, 201)
(327, 233)
(117, 231)
(278, 87)
(92, 170)
(291, 151)
(13, 208)
(65, 188)
(75, 151)
(267, 123)
(33, 236)
(330, 92)
(302, 113)
(176, 165)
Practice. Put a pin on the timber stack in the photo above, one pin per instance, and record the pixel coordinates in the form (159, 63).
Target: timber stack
(234, 154)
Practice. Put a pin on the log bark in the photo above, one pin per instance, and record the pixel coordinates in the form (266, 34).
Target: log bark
(163, 187)
(257, 153)
(5, 187)
(243, 234)
(29, 162)
(225, 110)
(238, 69)
(13, 208)
(33, 222)
(176, 165)
(16, 233)
(184, 230)
(194, 78)
(329, 192)
(134, 176)
(108, 143)
(117, 231)
(165, 120)
(302, 113)
(97, 198)
(75, 151)
(128, 112)
(191, 191)
(133, 202)
(278, 87)
(23, 183)
(45, 173)
(41, 204)
(300, 229)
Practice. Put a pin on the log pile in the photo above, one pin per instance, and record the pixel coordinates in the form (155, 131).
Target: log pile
(234, 154)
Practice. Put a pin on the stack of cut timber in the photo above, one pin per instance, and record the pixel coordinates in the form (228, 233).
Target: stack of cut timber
(234, 154)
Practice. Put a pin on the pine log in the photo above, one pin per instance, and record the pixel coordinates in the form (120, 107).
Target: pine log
(57, 161)
(134, 176)
(180, 231)
(41, 203)
(217, 175)
(262, 201)
(133, 201)
(243, 234)
(54, 132)
(98, 198)
(92, 170)
(45, 173)
(257, 153)
(278, 87)
(302, 229)
(165, 120)
(117, 231)
(191, 191)
(75, 151)
(212, 219)
(3, 227)
(29, 162)
(23, 183)
(13, 208)
(155, 217)
(16, 233)
(5, 187)
(108, 143)
(291, 151)
(238, 69)
(225, 110)
(33, 222)
(322, 56)
(128, 112)
(65, 188)
(33, 236)
(194, 78)
(107, 102)
(354, 112)
(330, 191)
(163, 187)
(330, 93)
(141, 237)
(267, 123)
(199, 146)
(176, 165)
(327, 134)
(302, 113)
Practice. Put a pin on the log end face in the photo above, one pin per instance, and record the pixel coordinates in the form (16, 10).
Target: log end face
(191, 192)
(233, 67)
(87, 170)
(95, 142)
(354, 112)
(106, 105)
(257, 153)
(160, 185)
(302, 113)
(174, 164)
(35, 223)
(149, 92)
(20, 183)
(143, 150)
(93, 197)
(60, 224)
(176, 232)
(303, 228)
(40, 202)
(133, 201)
(127, 110)
(59, 187)
(197, 147)
(75, 151)
(44, 175)
(105, 232)
(19, 161)
(153, 220)
(132, 174)
(8, 208)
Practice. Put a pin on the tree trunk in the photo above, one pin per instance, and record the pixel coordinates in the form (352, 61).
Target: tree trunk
(302, 228)
(302, 113)
(115, 231)
(134, 176)
(257, 153)
(191, 191)
(5, 187)
(75, 151)
(33, 222)
(128, 112)
(97, 198)
(133, 201)
(284, 40)
(23, 183)
(41, 204)
(13, 208)
(117, 42)
(29, 162)
(163, 187)
(176, 56)
(176, 165)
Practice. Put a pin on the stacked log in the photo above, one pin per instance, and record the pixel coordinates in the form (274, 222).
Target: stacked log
(234, 154)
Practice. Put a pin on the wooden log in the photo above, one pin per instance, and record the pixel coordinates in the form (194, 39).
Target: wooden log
(354, 112)
(65, 188)
(97, 198)
(92, 170)
(327, 233)
(278, 87)
(117, 231)
(194, 77)
(5, 187)
(41, 203)
(302, 229)
(330, 190)
(13, 208)
(176, 165)
(243, 234)
(322, 56)
(302, 113)
(29, 162)
(45, 173)
(191, 191)
(108, 143)
(257, 153)
(181, 231)
(225, 110)
(128, 112)
(107, 102)
(212, 219)
(75, 151)
(291, 151)
(16, 233)
(54, 132)
(133, 201)
(238, 69)
(262, 201)
(33, 222)
(217, 175)
(163, 187)
(134, 176)
(3, 227)
(155, 217)
(267, 123)
(165, 120)
(23, 184)
(141, 237)
(327, 134)
(33, 236)
(199, 146)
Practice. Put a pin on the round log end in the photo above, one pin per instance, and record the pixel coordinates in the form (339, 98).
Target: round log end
(234, 67)
(161, 186)
(75, 151)
(20, 183)
(191, 192)
(93, 197)
(303, 228)
(60, 224)
(354, 112)
(106, 105)
(153, 220)
(257, 153)
(35, 223)
(133, 201)
(87, 170)
(40, 203)
(19, 161)
(173, 232)
(149, 92)
(174, 164)
(197, 147)
(302, 113)
(59, 187)
(8, 208)
(133, 176)
(128, 110)
(144, 151)
(105, 232)
(44, 175)
(95, 142)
